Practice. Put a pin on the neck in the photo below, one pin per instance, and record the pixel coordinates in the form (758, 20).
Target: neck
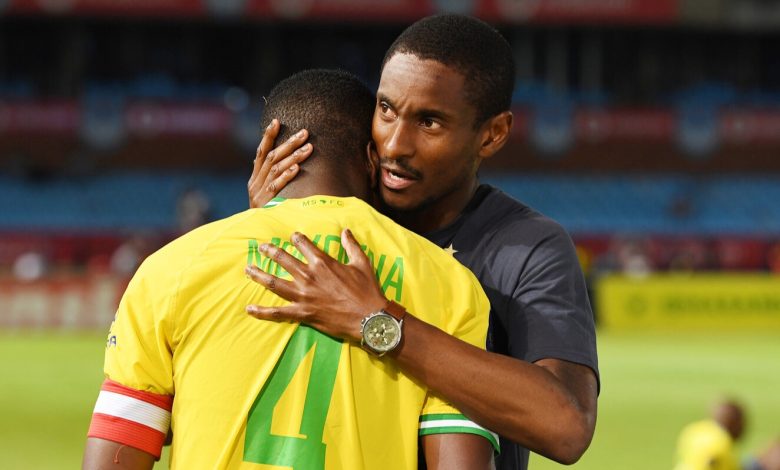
(305, 184)
(436, 214)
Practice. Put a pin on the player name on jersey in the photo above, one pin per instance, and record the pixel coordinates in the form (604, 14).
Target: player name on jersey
(389, 269)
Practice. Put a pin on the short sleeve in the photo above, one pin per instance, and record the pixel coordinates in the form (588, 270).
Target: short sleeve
(138, 348)
(439, 417)
(556, 320)
(135, 401)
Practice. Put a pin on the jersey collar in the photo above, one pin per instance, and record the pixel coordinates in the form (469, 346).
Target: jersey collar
(274, 202)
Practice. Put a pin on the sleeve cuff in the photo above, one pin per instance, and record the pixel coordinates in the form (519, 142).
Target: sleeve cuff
(453, 423)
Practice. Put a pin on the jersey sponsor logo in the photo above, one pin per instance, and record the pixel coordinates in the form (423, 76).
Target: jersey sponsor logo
(389, 269)
(111, 339)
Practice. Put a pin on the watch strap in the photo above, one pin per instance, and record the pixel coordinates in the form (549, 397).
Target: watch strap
(395, 310)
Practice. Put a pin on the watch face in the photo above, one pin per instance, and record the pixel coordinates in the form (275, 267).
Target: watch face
(382, 332)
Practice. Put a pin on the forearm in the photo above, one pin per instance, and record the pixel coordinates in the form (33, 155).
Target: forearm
(548, 407)
(521, 401)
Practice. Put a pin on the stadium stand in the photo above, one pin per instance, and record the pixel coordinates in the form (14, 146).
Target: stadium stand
(631, 121)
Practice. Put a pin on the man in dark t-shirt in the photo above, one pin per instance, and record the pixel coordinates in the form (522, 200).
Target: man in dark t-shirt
(527, 265)
(442, 108)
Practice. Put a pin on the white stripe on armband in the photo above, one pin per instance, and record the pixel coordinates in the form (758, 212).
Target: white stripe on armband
(455, 423)
(133, 409)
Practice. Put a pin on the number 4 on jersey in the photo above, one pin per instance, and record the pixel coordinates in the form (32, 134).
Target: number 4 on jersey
(305, 451)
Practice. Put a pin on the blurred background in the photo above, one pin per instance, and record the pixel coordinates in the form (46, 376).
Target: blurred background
(649, 128)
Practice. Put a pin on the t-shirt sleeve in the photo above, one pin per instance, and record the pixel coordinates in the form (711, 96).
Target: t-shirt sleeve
(135, 401)
(552, 315)
(439, 417)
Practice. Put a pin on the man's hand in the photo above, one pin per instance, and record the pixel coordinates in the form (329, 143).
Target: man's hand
(325, 294)
(275, 167)
(548, 406)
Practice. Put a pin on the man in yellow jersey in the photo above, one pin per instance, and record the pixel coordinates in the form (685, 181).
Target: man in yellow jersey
(709, 444)
(182, 354)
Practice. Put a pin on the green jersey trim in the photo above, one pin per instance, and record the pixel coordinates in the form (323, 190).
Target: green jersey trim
(274, 202)
(454, 423)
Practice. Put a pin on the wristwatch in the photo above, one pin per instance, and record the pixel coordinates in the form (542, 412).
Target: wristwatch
(382, 330)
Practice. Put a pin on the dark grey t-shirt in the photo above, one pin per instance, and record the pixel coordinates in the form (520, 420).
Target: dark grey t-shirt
(528, 267)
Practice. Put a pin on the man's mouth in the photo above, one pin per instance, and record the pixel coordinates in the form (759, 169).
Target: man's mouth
(397, 180)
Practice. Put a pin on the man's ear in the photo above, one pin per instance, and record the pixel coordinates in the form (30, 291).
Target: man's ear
(373, 163)
(495, 133)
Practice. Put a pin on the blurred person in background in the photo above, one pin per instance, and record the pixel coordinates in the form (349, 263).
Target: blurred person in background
(31, 266)
(710, 444)
(130, 253)
(193, 209)
(691, 256)
(773, 258)
(442, 108)
(628, 255)
(769, 459)
(183, 355)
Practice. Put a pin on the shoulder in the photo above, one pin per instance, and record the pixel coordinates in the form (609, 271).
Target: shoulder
(704, 428)
(702, 439)
(508, 220)
(174, 257)
(704, 434)
(201, 237)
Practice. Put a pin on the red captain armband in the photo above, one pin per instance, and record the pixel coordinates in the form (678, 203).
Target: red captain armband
(131, 417)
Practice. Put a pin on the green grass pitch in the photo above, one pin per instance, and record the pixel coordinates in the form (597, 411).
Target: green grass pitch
(651, 386)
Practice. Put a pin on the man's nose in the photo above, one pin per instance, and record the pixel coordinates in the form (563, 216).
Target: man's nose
(399, 142)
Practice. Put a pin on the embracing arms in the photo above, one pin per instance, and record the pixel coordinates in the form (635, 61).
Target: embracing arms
(548, 406)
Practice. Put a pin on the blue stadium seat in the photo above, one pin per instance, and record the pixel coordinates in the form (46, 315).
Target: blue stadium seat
(739, 204)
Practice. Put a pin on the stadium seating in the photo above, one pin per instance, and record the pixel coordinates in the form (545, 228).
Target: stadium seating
(659, 204)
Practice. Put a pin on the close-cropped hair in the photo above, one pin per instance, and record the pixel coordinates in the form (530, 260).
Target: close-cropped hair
(333, 105)
(469, 46)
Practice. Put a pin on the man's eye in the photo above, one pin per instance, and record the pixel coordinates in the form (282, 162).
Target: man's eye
(428, 123)
(384, 107)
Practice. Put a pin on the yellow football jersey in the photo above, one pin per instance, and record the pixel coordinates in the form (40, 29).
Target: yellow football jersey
(263, 395)
(705, 445)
